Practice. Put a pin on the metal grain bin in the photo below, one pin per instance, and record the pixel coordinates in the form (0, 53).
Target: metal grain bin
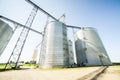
(89, 48)
(54, 52)
(71, 54)
(5, 35)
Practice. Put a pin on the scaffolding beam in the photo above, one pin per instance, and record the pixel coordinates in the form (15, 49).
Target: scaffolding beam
(69, 26)
(16, 53)
(32, 3)
(21, 25)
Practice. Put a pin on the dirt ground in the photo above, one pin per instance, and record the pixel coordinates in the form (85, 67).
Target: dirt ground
(35, 74)
(112, 73)
(59, 74)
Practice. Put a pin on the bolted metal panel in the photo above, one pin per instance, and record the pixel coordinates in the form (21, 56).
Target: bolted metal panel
(5, 34)
(54, 52)
(89, 48)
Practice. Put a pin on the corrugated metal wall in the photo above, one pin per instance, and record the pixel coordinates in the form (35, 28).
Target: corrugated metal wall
(5, 35)
(54, 52)
(71, 54)
(89, 48)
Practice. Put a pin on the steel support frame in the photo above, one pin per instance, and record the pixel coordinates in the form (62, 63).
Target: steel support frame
(16, 53)
(32, 3)
(19, 24)
(27, 26)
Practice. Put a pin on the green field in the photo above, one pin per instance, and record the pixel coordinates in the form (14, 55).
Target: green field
(2, 66)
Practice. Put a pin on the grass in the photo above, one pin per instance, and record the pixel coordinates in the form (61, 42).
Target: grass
(51, 68)
(28, 64)
(117, 68)
(2, 66)
(61, 68)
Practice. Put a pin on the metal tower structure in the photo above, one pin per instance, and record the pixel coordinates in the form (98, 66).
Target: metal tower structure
(16, 53)
(49, 15)
(42, 10)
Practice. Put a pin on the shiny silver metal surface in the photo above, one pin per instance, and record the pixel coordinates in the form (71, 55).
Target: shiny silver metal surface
(71, 54)
(54, 52)
(5, 35)
(89, 48)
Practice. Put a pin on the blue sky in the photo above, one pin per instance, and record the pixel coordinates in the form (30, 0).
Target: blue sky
(104, 15)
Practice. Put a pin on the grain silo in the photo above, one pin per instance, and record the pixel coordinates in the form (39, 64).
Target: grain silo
(5, 35)
(54, 51)
(71, 54)
(89, 48)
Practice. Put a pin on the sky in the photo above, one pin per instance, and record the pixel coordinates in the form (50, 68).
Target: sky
(104, 15)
